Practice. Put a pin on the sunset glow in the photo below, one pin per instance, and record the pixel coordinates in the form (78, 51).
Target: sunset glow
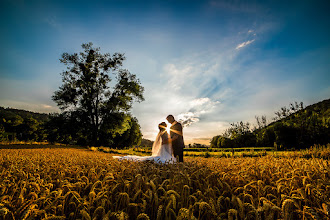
(259, 60)
(168, 129)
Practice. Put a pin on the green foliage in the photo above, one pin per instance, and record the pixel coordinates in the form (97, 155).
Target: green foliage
(2, 133)
(265, 137)
(285, 134)
(61, 127)
(146, 143)
(303, 128)
(214, 141)
(93, 113)
(99, 113)
(130, 135)
(14, 114)
(226, 142)
(295, 127)
(197, 145)
(22, 125)
(238, 135)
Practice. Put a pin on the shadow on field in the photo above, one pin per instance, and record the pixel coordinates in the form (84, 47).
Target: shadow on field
(37, 146)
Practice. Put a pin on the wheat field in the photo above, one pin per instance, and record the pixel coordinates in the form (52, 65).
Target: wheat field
(64, 183)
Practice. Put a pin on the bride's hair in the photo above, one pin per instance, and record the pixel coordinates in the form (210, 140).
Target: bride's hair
(162, 126)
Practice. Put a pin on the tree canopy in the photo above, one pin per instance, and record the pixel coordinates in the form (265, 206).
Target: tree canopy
(95, 101)
(293, 127)
(99, 109)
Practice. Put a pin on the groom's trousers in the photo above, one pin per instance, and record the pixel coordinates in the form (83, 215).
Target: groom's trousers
(178, 153)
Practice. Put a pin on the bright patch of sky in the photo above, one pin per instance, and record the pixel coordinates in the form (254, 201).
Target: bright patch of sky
(208, 63)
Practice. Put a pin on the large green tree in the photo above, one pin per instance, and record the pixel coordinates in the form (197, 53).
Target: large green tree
(98, 106)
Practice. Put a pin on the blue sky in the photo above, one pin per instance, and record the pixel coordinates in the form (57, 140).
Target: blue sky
(210, 62)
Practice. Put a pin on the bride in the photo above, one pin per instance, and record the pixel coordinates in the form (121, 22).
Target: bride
(161, 149)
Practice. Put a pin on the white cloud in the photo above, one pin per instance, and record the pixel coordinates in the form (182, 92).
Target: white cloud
(177, 76)
(188, 118)
(252, 32)
(191, 88)
(200, 101)
(199, 106)
(244, 44)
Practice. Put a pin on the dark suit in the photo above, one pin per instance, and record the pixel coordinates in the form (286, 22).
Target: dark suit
(178, 144)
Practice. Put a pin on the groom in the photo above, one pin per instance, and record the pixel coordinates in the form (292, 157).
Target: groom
(176, 137)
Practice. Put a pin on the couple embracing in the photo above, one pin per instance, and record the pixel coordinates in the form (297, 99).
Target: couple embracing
(168, 147)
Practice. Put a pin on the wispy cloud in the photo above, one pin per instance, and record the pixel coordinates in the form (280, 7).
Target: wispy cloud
(244, 44)
(190, 88)
(53, 22)
(188, 118)
(208, 90)
(177, 75)
(240, 6)
(252, 32)
(183, 76)
(199, 107)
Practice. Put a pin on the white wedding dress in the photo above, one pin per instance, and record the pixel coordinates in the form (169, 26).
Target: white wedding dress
(162, 153)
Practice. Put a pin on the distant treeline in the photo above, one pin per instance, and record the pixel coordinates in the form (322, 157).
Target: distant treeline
(93, 111)
(146, 143)
(292, 127)
(21, 125)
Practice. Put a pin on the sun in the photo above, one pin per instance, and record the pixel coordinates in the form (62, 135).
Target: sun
(168, 129)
